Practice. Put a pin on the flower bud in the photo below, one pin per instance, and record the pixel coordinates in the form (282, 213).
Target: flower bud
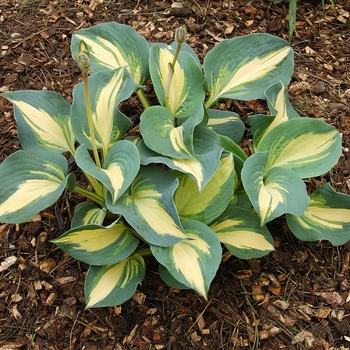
(180, 35)
(83, 61)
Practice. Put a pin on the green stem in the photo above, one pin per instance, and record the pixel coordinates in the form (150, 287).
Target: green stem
(167, 85)
(176, 55)
(142, 97)
(89, 194)
(144, 252)
(90, 122)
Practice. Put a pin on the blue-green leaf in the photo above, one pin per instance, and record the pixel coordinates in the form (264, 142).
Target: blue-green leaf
(43, 120)
(114, 284)
(326, 217)
(114, 45)
(30, 182)
(192, 262)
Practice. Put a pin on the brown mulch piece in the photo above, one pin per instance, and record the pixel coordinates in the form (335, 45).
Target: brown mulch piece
(297, 297)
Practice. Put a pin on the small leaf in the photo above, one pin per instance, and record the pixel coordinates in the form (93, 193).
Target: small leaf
(280, 108)
(186, 89)
(240, 231)
(207, 151)
(244, 67)
(114, 284)
(149, 208)
(275, 191)
(192, 262)
(309, 147)
(326, 217)
(114, 45)
(43, 120)
(108, 89)
(160, 134)
(208, 204)
(119, 168)
(87, 213)
(98, 245)
(30, 182)
(226, 123)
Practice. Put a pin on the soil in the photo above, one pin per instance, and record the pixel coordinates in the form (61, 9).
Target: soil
(297, 297)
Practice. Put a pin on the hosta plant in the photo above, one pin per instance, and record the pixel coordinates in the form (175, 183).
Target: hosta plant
(179, 187)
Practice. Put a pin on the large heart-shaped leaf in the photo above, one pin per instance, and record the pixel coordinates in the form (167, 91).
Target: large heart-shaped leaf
(309, 147)
(244, 67)
(149, 208)
(30, 182)
(240, 231)
(208, 204)
(275, 191)
(326, 217)
(113, 284)
(98, 245)
(119, 168)
(186, 90)
(192, 262)
(107, 89)
(114, 45)
(43, 120)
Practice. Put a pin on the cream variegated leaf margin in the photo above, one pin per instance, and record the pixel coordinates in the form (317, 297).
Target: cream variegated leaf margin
(309, 147)
(326, 217)
(186, 91)
(43, 120)
(114, 284)
(209, 203)
(114, 45)
(30, 182)
(192, 262)
(119, 168)
(98, 245)
(256, 62)
(240, 231)
(149, 208)
(108, 89)
(275, 191)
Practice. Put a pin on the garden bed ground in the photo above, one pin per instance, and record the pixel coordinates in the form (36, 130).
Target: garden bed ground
(297, 297)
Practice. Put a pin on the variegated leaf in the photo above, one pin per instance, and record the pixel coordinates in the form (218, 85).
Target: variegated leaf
(107, 89)
(208, 204)
(87, 214)
(149, 208)
(275, 191)
(226, 123)
(192, 262)
(30, 182)
(280, 108)
(119, 168)
(114, 45)
(114, 284)
(160, 133)
(309, 147)
(98, 245)
(240, 231)
(207, 152)
(43, 120)
(244, 67)
(326, 217)
(186, 89)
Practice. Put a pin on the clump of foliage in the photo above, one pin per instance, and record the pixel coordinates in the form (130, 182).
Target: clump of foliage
(182, 187)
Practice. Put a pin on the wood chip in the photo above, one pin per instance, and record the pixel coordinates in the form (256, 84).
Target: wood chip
(9, 261)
